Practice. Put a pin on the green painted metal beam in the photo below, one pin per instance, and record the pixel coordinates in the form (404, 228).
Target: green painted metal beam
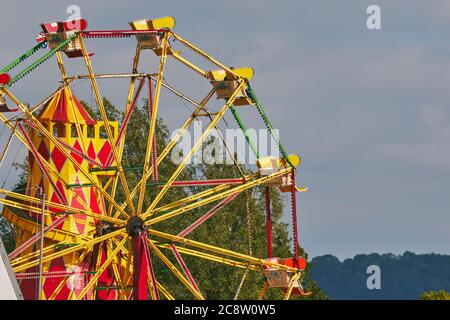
(80, 185)
(244, 129)
(114, 168)
(23, 57)
(65, 245)
(40, 61)
(266, 121)
(98, 288)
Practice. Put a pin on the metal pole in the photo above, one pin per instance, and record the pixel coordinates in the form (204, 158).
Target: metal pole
(268, 222)
(40, 287)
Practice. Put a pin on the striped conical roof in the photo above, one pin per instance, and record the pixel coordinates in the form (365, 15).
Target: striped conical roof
(65, 107)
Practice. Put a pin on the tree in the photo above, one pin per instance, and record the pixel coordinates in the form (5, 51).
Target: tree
(405, 276)
(7, 235)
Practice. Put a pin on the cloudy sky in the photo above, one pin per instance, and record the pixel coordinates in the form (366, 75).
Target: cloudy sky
(368, 111)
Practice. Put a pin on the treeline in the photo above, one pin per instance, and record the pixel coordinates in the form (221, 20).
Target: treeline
(405, 276)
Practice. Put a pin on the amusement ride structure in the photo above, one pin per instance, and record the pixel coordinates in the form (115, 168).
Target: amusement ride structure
(74, 238)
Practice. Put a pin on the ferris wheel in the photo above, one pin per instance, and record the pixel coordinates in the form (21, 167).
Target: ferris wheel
(74, 234)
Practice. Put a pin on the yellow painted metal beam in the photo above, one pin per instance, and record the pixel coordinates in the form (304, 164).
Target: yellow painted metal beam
(203, 54)
(190, 65)
(61, 148)
(64, 280)
(219, 250)
(54, 205)
(50, 257)
(53, 173)
(100, 270)
(217, 196)
(263, 290)
(32, 227)
(214, 258)
(22, 139)
(47, 249)
(175, 271)
(164, 291)
(191, 153)
(107, 127)
(154, 116)
(294, 279)
(185, 201)
(170, 146)
(119, 280)
(131, 87)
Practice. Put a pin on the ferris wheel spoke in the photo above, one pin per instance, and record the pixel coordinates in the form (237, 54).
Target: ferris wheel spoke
(77, 247)
(117, 277)
(186, 200)
(22, 139)
(201, 107)
(175, 271)
(150, 144)
(203, 54)
(128, 267)
(100, 271)
(222, 251)
(107, 126)
(64, 280)
(184, 267)
(183, 164)
(127, 275)
(213, 211)
(122, 136)
(46, 250)
(61, 148)
(216, 197)
(169, 147)
(53, 173)
(128, 109)
(212, 257)
(164, 291)
(185, 126)
(69, 210)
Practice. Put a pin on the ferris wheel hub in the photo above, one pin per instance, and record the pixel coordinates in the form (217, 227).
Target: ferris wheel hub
(135, 226)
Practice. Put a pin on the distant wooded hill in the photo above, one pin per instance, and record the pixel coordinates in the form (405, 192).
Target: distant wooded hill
(406, 276)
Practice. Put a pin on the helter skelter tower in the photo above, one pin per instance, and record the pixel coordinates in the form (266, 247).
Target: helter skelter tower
(95, 246)
(72, 126)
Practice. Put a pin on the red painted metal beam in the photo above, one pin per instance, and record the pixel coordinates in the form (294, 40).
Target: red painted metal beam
(140, 289)
(116, 33)
(125, 122)
(150, 269)
(150, 114)
(207, 182)
(268, 222)
(294, 215)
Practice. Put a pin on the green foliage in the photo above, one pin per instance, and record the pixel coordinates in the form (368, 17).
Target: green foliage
(435, 295)
(7, 235)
